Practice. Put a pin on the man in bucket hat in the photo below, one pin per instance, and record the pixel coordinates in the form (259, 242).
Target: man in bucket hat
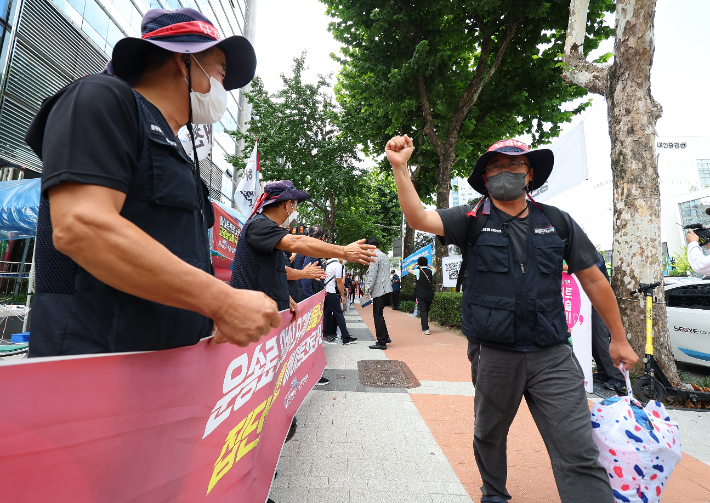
(513, 316)
(123, 260)
(258, 265)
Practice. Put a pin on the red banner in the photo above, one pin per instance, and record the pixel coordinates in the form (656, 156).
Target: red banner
(197, 423)
(225, 233)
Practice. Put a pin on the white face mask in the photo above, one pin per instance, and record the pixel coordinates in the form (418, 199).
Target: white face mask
(292, 217)
(208, 108)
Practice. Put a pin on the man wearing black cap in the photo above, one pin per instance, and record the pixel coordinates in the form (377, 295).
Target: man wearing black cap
(257, 263)
(123, 260)
(513, 316)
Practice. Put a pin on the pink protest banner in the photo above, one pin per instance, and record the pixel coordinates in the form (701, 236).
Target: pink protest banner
(578, 311)
(197, 423)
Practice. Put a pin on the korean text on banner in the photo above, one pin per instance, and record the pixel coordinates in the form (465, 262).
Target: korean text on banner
(578, 311)
(450, 269)
(412, 259)
(197, 423)
(249, 190)
(225, 234)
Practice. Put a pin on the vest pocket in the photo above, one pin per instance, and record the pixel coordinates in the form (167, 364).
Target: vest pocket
(551, 323)
(492, 257)
(173, 181)
(492, 318)
(549, 252)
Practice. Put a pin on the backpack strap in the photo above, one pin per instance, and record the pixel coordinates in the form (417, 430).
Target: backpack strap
(474, 226)
(560, 221)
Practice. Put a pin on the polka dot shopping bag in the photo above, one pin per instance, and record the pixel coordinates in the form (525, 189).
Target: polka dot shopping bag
(638, 447)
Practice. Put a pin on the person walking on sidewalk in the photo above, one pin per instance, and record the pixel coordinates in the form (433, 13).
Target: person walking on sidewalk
(377, 286)
(396, 287)
(513, 315)
(424, 290)
(334, 287)
(607, 373)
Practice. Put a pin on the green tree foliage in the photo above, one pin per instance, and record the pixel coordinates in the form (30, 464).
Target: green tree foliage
(302, 139)
(456, 76)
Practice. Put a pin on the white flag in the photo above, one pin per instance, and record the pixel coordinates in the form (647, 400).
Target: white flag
(570, 164)
(203, 140)
(249, 190)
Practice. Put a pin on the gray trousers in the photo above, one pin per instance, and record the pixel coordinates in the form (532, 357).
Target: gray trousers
(553, 386)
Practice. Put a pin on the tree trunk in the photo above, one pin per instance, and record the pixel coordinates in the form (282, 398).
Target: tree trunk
(443, 188)
(632, 113)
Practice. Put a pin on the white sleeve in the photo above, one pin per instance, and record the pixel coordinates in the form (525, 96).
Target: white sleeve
(699, 262)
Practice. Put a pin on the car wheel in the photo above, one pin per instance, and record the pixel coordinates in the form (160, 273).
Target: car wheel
(644, 393)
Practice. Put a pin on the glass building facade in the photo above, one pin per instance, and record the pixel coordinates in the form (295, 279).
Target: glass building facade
(47, 44)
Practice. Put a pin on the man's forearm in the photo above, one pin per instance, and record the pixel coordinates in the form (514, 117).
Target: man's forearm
(293, 274)
(311, 247)
(125, 257)
(603, 299)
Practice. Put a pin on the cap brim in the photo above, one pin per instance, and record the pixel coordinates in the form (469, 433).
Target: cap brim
(541, 161)
(290, 195)
(238, 51)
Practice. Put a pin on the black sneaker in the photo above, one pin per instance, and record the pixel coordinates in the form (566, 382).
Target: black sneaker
(378, 346)
(322, 381)
(329, 339)
(349, 340)
(600, 377)
(617, 386)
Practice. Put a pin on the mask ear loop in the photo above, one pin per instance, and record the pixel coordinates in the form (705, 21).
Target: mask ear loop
(188, 64)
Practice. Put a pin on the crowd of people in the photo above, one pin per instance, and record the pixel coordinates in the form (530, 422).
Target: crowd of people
(122, 246)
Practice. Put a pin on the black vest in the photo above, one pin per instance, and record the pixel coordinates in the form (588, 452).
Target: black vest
(75, 313)
(264, 274)
(512, 306)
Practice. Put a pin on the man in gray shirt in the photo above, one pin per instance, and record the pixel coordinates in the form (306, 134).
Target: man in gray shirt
(377, 286)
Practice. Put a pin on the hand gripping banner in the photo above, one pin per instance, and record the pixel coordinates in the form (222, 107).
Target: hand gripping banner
(197, 423)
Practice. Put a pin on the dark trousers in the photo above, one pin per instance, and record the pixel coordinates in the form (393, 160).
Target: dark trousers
(352, 295)
(552, 383)
(395, 300)
(378, 308)
(424, 307)
(334, 308)
(600, 348)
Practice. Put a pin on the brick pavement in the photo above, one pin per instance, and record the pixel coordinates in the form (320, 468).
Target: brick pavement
(371, 444)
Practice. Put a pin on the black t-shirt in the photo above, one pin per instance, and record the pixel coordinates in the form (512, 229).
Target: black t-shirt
(582, 253)
(74, 149)
(517, 232)
(263, 234)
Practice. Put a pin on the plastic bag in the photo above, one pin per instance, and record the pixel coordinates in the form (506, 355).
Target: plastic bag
(638, 447)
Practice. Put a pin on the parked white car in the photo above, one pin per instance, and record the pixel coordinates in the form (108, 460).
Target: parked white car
(688, 308)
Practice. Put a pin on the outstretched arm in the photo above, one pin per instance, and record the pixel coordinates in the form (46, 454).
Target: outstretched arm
(398, 151)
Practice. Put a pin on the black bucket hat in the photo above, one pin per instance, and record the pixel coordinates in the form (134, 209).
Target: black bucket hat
(184, 31)
(283, 190)
(541, 161)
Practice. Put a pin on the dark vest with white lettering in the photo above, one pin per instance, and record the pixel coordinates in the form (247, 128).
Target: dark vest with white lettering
(264, 274)
(510, 305)
(75, 313)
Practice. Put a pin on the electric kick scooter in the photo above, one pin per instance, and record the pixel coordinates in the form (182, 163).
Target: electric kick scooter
(654, 385)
